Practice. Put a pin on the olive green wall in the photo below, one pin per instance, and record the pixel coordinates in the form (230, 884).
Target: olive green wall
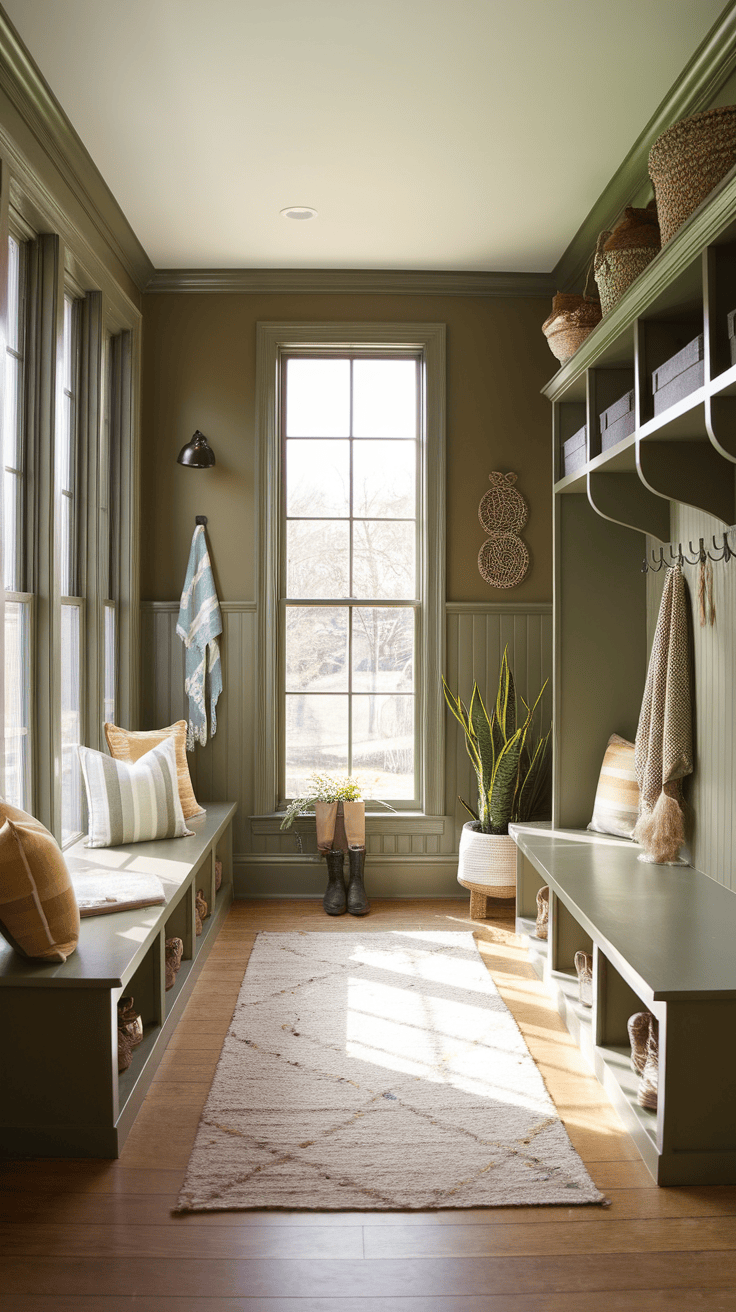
(199, 372)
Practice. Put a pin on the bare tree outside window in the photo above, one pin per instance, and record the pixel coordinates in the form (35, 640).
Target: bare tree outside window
(351, 464)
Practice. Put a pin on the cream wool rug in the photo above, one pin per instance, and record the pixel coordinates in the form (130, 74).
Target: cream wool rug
(377, 1071)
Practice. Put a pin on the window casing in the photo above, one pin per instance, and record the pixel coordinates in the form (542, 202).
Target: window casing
(277, 344)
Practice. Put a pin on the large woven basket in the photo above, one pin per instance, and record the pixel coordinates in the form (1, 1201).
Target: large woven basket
(688, 161)
(623, 254)
(487, 861)
(572, 319)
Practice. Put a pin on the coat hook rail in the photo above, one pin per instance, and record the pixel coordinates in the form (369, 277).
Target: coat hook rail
(678, 556)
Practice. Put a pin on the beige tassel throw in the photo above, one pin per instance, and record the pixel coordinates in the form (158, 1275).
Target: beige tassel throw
(664, 752)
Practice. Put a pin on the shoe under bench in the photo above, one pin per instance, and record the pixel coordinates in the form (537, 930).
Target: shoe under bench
(60, 1092)
(663, 939)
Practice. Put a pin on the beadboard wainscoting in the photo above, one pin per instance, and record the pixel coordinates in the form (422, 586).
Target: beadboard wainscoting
(410, 855)
(712, 786)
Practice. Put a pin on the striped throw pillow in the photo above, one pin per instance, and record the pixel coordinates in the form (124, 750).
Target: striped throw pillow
(616, 806)
(132, 802)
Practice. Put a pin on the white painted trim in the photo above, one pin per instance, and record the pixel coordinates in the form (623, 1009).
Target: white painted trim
(271, 340)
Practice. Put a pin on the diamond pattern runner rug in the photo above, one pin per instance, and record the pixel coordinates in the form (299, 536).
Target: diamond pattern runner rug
(377, 1071)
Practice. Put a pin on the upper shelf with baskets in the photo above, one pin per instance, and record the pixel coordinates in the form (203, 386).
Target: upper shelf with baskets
(645, 410)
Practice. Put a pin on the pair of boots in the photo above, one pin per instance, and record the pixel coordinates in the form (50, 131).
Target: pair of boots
(644, 1037)
(336, 900)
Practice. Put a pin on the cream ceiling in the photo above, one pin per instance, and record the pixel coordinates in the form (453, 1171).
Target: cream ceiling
(429, 134)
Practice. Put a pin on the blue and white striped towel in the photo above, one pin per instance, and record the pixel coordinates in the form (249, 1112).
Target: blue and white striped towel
(199, 626)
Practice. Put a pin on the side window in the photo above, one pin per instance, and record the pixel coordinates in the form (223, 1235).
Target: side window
(72, 605)
(18, 602)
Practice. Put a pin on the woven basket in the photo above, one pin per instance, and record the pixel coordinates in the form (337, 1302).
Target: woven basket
(688, 161)
(487, 861)
(623, 254)
(572, 319)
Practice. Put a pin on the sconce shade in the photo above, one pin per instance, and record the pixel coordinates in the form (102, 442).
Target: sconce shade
(197, 453)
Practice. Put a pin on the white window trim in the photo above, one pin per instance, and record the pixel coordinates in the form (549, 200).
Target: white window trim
(273, 340)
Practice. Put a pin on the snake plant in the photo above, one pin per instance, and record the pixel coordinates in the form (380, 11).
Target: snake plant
(509, 764)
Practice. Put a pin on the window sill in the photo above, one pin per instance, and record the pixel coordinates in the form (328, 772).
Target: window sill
(376, 822)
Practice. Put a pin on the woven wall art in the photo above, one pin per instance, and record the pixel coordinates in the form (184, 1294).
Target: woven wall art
(503, 559)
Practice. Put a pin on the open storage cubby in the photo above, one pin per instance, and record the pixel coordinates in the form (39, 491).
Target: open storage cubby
(662, 941)
(63, 1018)
(661, 938)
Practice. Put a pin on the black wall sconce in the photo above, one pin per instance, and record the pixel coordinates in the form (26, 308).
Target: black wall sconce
(197, 454)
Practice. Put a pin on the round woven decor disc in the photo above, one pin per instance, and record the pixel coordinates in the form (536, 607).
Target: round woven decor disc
(502, 508)
(503, 560)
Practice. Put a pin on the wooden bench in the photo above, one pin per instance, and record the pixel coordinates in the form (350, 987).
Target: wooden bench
(663, 939)
(60, 1092)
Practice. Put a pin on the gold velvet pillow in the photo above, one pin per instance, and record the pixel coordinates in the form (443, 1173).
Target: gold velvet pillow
(127, 745)
(38, 910)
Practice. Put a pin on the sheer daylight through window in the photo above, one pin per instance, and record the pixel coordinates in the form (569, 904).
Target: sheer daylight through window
(351, 587)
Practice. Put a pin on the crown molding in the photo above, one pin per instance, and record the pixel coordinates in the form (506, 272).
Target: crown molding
(351, 282)
(695, 88)
(28, 91)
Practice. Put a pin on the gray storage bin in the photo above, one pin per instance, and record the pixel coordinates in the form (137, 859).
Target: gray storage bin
(574, 451)
(679, 376)
(618, 421)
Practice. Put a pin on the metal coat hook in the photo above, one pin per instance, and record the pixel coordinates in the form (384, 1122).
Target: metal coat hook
(679, 557)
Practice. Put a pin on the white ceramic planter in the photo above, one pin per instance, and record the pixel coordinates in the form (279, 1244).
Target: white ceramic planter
(487, 861)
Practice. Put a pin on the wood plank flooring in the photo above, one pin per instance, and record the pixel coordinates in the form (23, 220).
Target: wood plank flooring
(91, 1236)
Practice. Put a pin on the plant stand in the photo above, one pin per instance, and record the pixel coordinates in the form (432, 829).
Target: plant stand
(480, 893)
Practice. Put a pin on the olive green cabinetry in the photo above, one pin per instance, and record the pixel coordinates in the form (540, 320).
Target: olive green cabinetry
(661, 937)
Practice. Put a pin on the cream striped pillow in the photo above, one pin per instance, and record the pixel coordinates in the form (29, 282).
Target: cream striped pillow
(616, 806)
(132, 802)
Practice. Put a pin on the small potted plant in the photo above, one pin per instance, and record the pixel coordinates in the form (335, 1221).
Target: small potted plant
(511, 769)
(339, 809)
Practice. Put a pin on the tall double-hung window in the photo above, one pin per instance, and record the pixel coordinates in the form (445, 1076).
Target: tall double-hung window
(18, 601)
(351, 589)
(68, 468)
(351, 586)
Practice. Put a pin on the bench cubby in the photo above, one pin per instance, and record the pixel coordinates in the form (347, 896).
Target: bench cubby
(662, 940)
(61, 1094)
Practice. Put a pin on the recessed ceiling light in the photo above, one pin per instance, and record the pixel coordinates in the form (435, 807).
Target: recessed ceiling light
(299, 212)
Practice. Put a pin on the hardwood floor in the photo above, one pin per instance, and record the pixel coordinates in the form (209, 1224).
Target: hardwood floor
(91, 1236)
